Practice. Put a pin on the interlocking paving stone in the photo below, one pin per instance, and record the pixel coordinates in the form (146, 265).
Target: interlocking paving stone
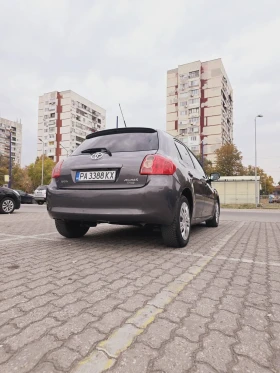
(69, 300)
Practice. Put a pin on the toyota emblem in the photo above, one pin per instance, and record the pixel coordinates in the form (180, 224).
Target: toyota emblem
(96, 156)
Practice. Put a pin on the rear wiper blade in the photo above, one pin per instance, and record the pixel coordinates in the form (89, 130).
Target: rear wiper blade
(95, 150)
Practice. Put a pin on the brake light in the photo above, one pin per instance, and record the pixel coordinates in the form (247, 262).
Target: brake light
(57, 169)
(157, 165)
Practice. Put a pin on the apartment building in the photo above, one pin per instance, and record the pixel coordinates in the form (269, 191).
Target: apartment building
(200, 106)
(64, 120)
(9, 128)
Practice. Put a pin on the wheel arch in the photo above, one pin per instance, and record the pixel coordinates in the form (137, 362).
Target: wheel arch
(188, 194)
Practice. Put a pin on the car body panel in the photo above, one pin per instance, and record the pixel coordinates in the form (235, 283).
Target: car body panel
(40, 193)
(132, 198)
(126, 165)
(25, 197)
(7, 192)
(153, 204)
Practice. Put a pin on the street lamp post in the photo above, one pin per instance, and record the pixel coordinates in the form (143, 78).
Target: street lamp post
(256, 183)
(43, 154)
(10, 162)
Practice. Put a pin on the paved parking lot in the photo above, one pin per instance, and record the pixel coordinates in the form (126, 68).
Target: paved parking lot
(117, 300)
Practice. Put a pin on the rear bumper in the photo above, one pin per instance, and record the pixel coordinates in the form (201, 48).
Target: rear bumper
(40, 199)
(153, 204)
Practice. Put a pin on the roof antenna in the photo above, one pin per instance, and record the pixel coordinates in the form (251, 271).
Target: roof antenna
(122, 115)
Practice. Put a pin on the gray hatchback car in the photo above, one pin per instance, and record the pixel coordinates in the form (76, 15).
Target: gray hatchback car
(132, 176)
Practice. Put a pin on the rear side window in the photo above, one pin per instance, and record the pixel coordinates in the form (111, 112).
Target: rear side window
(121, 142)
(184, 154)
(42, 187)
(197, 165)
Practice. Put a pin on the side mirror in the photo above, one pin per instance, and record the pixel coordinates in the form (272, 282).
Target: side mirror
(215, 176)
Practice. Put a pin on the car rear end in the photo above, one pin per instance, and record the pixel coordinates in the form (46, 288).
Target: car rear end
(116, 176)
(40, 194)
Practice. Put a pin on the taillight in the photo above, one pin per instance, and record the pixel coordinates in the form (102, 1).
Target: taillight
(157, 165)
(57, 169)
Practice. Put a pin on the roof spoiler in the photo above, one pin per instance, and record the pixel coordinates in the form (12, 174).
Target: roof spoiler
(120, 130)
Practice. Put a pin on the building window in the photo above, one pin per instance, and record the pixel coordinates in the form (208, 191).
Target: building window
(183, 112)
(99, 121)
(194, 101)
(194, 74)
(194, 92)
(193, 138)
(183, 122)
(46, 102)
(52, 115)
(193, 83)
(195, 148)
(194, 110)
(194, 120)
(183, 103)
(185, 94)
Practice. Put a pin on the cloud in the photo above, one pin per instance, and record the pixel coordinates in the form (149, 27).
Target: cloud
(121, 54)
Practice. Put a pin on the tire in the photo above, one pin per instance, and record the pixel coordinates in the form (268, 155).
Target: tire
(177, 234)
(214, 222)
(7, 206)
(40, 202)
(70, 229)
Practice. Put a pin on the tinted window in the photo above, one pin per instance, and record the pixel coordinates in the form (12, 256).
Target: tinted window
(122, 142)
(184, 153)
(197, 165)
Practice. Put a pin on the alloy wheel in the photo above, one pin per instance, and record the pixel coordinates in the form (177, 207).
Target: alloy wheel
(185, 221)
(217, 212)
(8, 206)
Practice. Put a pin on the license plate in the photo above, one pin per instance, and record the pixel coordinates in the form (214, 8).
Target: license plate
(96, 176)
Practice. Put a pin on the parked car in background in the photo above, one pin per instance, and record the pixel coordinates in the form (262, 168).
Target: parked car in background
(40, 194)
(9, 200)
(132, 176)
(25, 197)
(271, 198)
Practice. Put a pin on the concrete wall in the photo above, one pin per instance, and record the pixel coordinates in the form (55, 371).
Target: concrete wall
(236, 192)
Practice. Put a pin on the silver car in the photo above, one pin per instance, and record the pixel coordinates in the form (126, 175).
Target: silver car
(40, 194)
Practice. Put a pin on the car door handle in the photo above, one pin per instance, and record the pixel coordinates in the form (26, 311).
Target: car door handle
(190, 174)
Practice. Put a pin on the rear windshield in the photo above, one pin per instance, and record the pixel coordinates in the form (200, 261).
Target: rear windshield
(121, 142)
(42, 187)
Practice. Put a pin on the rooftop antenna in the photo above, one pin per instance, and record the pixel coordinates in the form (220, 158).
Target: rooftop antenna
(122, 115)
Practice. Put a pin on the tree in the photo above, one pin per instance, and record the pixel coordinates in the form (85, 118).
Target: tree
(229, 161)
(265, 180)
(4, 168)
(35, 172)
(208, 166)
(21, 179)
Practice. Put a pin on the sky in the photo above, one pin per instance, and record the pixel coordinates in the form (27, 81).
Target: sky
(112, 51)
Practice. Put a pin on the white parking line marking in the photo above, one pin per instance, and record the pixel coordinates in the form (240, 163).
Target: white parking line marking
(221, 257)
(105, 355)
(19, 237)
